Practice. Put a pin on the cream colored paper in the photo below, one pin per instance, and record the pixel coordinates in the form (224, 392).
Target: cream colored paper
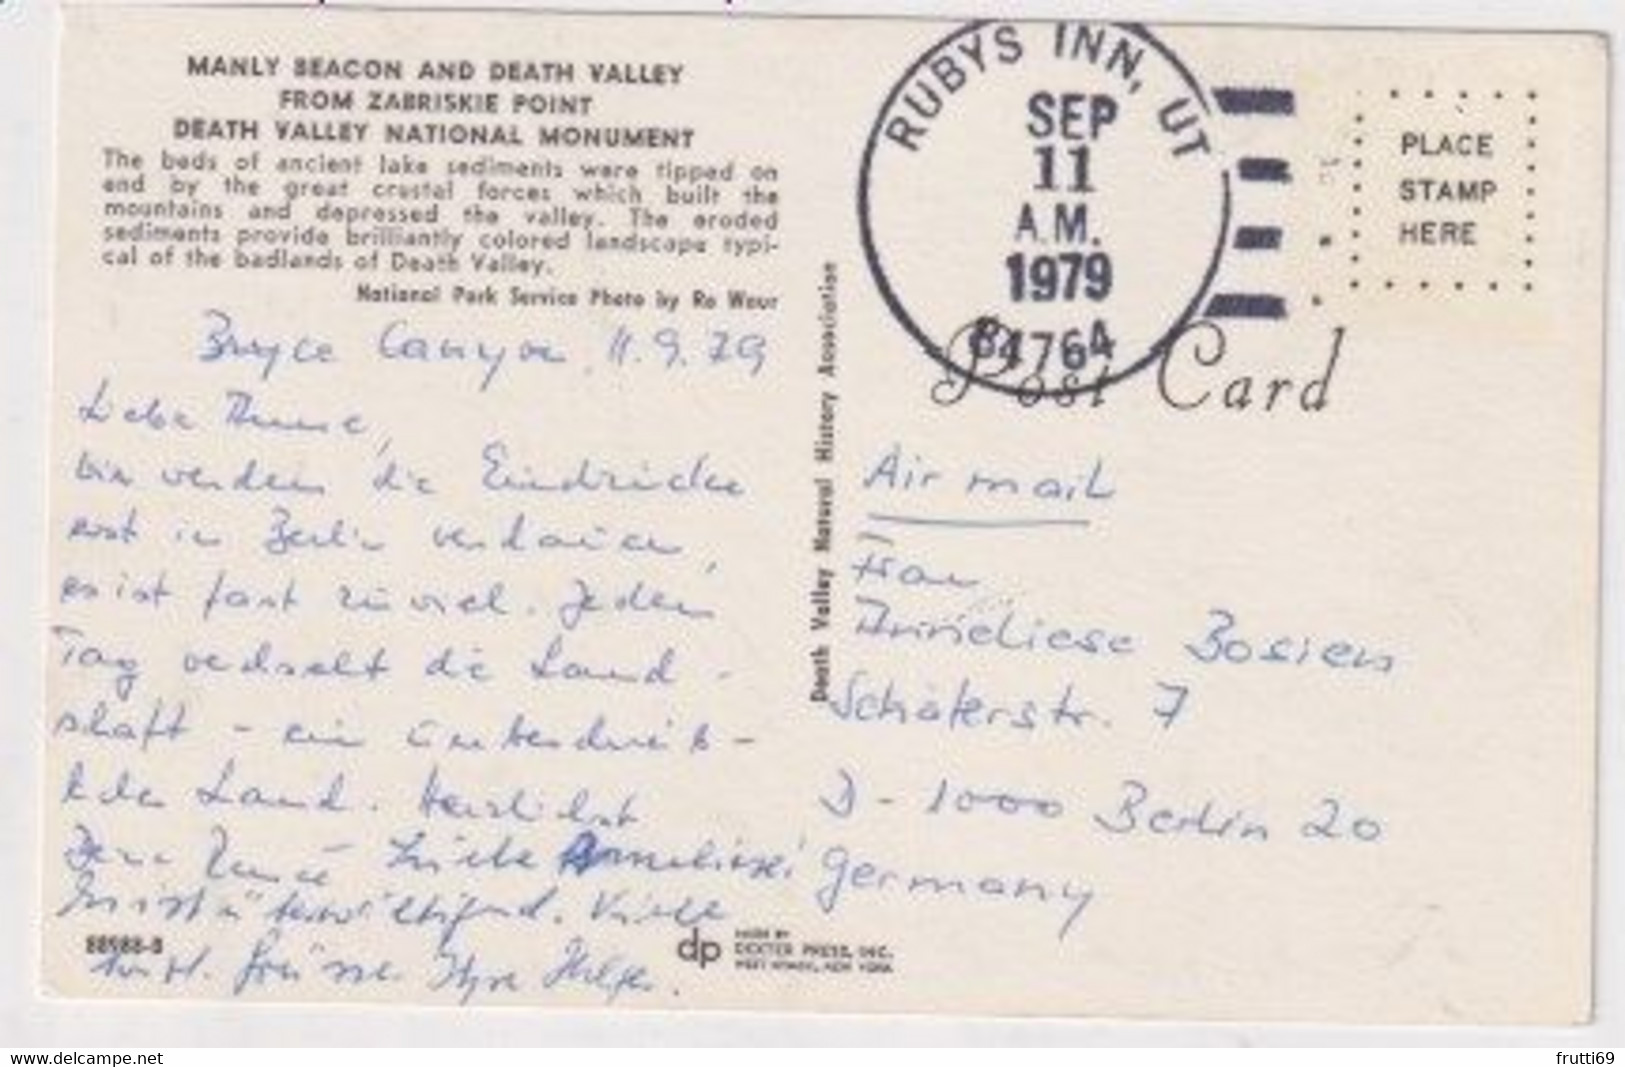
(824, 514)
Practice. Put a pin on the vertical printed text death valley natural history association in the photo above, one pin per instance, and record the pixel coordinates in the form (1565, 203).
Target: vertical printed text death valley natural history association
(1059, 517)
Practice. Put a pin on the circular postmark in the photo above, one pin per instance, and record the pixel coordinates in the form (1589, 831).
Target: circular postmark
(1042, 207)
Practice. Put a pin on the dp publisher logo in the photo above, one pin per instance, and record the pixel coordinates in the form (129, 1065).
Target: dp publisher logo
(697, 950)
